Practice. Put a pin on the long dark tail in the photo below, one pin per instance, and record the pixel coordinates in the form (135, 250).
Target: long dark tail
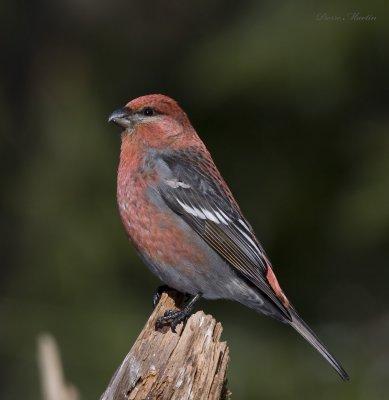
(305, 331)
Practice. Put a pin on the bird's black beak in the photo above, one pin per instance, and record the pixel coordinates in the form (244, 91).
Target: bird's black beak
(121, 117)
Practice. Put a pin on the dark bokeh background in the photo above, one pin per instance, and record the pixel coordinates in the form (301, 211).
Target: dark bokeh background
(294, 108)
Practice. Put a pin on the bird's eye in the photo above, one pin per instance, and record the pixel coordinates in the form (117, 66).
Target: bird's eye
(148, 112)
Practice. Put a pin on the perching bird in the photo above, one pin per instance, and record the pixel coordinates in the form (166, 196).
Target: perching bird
(184, 222)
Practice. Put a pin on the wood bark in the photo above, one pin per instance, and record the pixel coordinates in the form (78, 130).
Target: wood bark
(163, 365)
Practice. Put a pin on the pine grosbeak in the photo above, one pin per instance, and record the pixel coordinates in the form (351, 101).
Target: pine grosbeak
(184, 222)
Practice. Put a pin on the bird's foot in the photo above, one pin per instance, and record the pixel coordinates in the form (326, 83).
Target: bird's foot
(174, 317)
(157, 295)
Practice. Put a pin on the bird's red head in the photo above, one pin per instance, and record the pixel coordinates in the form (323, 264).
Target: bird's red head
(156, 121)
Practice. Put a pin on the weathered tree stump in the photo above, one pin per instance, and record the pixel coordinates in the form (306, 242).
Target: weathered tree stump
(189, 364)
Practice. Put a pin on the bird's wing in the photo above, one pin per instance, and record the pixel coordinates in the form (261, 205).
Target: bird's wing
(194, 189)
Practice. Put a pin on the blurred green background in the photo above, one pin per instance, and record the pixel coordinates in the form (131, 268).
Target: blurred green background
(294, 108)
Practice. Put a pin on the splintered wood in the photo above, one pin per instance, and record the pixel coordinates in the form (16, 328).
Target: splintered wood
(189, 364)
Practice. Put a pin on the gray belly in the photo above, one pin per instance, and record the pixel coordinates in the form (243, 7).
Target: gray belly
(220, 282)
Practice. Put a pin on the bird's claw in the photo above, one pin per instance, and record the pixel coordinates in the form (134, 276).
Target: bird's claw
(172, 318)
(157, 295)
(170, 313)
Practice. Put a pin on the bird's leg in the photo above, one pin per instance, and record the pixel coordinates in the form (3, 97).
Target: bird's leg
(173, 317)
(157, 295)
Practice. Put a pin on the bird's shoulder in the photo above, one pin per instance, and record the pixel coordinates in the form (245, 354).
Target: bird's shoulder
(193, 172)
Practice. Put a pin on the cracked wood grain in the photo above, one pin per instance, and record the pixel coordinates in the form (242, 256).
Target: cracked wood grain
(189, 364)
